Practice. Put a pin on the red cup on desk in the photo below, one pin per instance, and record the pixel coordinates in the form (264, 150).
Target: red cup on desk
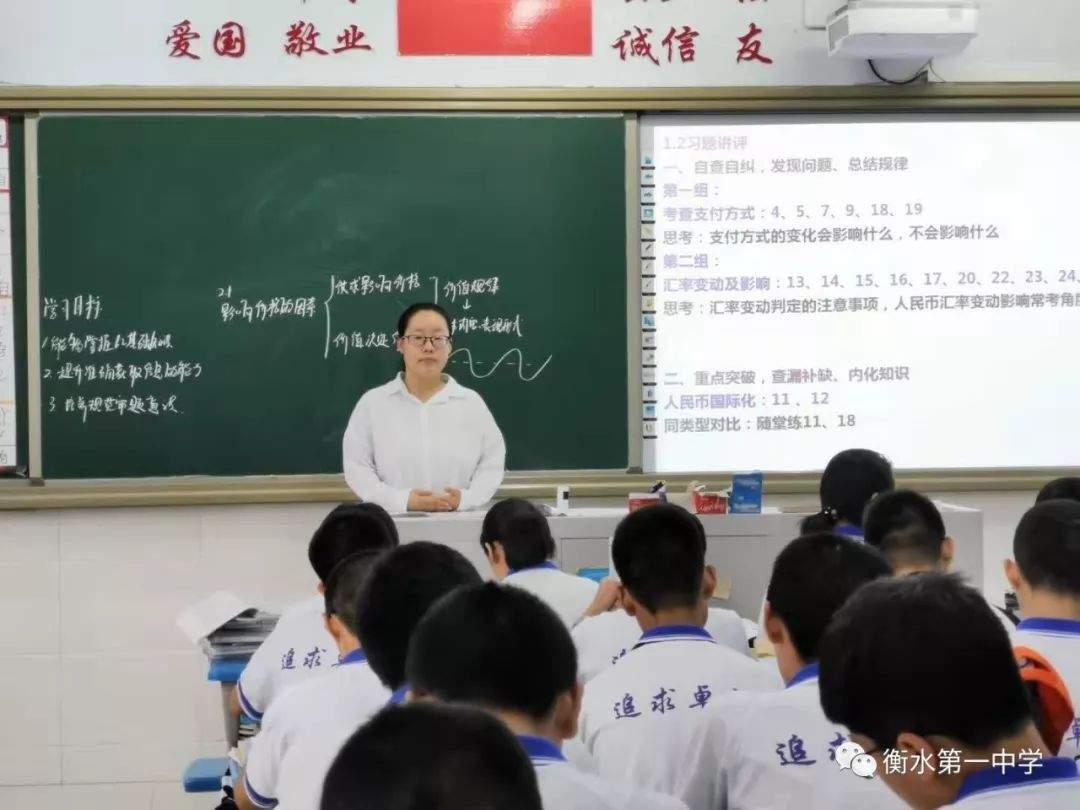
(709, 503)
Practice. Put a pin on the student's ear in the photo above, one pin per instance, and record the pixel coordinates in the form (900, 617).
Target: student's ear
(419, 696)
(708, 582)
(948, 552)
(1012, 574)
(629, 603)
(567, 710)
(495, 553)
(775, 630)
(321, 589)
(334, 627)
(914, 746)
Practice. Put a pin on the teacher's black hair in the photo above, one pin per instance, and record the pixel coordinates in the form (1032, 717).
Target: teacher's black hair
(412, 309)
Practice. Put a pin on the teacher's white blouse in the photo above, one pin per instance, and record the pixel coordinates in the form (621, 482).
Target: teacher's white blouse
(395, 443)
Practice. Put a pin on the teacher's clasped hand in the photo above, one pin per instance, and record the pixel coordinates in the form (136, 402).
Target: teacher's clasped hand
(421, 442)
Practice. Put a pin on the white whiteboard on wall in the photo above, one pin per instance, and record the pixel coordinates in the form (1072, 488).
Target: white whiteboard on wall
(908, 284)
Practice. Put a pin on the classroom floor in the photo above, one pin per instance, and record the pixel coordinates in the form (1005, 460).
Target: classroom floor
(134, 796)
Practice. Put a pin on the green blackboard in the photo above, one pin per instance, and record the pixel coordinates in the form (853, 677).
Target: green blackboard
(218, 291)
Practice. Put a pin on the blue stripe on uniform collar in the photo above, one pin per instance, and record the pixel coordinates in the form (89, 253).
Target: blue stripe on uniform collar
(355, 657)
(398, 697)
(1052, 769)
(1064, 626)
(548, 565)
(848, 530)
(674, 632)
(540, 751)
(805, 674)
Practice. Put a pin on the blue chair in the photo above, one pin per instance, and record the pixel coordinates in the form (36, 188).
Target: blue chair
(204, 775)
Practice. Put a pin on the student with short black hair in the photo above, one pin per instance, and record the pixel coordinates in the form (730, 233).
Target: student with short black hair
(346, 695)
(909, 530)
(502, 649)
(1046, 577)
(920, 666)
(428, 756)
(777, 749)
(1060, 489)
(850, 480)
(400, 588)
(638, 716)
(517, 542)
(299, 645)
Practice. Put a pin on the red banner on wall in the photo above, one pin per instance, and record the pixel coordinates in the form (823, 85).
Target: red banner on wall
(495, 27)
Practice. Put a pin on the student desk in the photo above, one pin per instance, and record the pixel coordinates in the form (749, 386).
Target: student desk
(742, 547)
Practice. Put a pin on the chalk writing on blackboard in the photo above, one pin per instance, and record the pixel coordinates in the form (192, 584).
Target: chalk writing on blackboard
(526, 376)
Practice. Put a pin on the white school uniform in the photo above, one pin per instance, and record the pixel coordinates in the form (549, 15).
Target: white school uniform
(604, 639)
(1054, 785)
(335, 704)
(639, 717)
(777, 750)
(564, 787)
(566, 594)
(1057, 640)
(395, 443)
(298, 648)
(304, 767)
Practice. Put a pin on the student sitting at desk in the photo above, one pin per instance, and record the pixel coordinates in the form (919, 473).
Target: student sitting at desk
(427, 756)
(299, 646)
(1046, 577)
(603, 639)
(638, 717)
(517, 542)
(777, 750)
(850, 481)
(908, 529)
(500, 648)
(347, 693)
(1060, 489)
(400, 588)
(921, 672)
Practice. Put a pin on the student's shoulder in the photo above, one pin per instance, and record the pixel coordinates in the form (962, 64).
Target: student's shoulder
(582, 584)
(604, 625)
(739, 661)
(293, 702)
(564, 786)
(308, 609)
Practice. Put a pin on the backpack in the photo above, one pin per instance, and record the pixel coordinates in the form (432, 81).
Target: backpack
(1048, 695)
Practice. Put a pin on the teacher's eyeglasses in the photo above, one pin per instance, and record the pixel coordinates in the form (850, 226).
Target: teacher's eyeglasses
(437, 342)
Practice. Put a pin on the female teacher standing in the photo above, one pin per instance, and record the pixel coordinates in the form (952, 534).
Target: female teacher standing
(421, 442)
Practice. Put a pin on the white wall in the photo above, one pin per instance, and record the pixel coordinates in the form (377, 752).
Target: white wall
(97, 685)
(102, 700)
